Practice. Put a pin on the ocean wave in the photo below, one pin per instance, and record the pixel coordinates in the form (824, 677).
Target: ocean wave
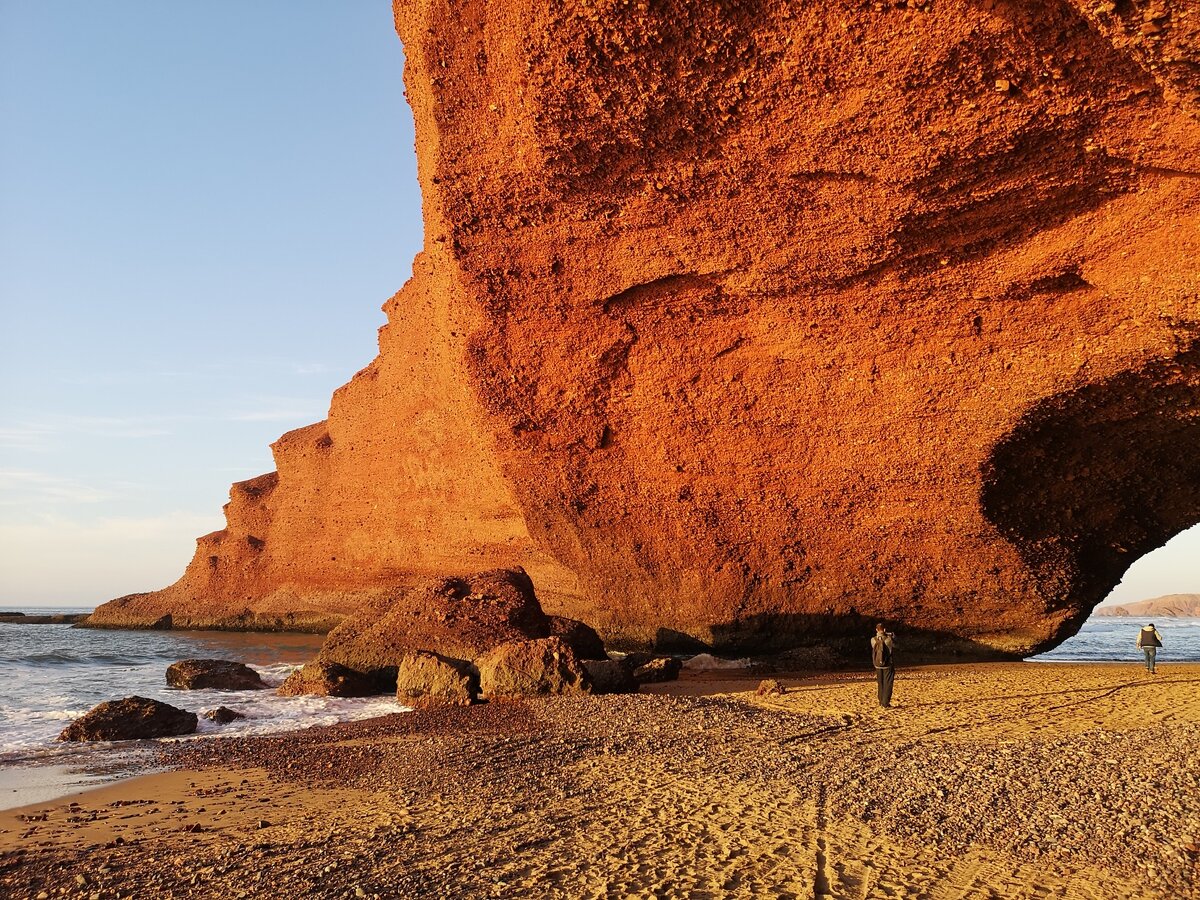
(51, 676)
(58, 657)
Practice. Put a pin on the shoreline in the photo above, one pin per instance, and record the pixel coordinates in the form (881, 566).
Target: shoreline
(23, 786)
(1026, 779)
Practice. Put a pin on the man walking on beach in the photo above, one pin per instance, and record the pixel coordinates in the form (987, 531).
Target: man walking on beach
(885, 670)
(1149, 640)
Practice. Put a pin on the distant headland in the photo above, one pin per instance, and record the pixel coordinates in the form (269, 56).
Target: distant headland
(1169, 606)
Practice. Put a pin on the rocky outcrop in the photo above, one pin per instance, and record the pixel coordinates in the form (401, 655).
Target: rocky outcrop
(460, 618)
(324, 679)
(769, 687)
(660, 668)
(419, 641)
(130, 719)
(424, 679)
(579, 636)
(610, 676)
(530, 668)
(218, 674)
(223, 715)
(1170, 606)
(20, 618)
(755, 323)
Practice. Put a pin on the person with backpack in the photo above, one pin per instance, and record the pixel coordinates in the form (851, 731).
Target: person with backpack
(1149, 640)
(882, 645)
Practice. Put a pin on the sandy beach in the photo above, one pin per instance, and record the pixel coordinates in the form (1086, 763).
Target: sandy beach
(1020, 780)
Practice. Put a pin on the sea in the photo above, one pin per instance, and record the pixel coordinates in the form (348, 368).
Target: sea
(51, 674)
(1114, 639)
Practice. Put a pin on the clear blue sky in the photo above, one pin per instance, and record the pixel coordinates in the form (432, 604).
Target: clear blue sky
(202, 207)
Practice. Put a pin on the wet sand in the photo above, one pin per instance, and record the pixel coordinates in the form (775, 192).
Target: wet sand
(994, 781)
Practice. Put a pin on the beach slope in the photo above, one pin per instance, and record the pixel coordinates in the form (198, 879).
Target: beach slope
(1005, 780)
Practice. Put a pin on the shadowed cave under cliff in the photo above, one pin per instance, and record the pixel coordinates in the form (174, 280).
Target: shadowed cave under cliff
(1093, 479)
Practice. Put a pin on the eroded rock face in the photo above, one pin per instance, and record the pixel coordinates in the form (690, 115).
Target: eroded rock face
(130, 719)
(752, 323)
(220, 674)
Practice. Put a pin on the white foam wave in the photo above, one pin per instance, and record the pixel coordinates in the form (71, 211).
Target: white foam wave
(706, 662)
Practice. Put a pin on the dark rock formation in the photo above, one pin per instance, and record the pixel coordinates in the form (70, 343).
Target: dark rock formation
(223, 715)
(579, 636)
(325, 679)
(756, 322)
(661, 668)
(20, 618)
(130, 719)
(219, 674)
(610, 676)
(523, 668)
(424, 679)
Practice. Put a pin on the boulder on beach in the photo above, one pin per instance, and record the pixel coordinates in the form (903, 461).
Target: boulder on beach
(610, 676)
(659, 668)
(460, 618)
(523, 668)
(769, 687)
(324, 679)
(424, 679)
(223, 715)
(130, 719)
(218, 674)
(579, 636)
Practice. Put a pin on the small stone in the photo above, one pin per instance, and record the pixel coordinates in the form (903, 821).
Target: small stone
(1150, 28)
(1003, 85)
(263, 823)
(359, 892)
(81, 880)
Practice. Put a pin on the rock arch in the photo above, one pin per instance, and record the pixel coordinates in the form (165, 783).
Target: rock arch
(1094, 478)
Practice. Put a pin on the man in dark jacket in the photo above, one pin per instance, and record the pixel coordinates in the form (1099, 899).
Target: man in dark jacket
(885, 671)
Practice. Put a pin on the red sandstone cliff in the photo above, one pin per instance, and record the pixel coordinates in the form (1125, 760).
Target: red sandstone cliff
(754, 321)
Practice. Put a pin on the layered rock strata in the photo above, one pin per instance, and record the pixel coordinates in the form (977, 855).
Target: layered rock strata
(750, 323)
